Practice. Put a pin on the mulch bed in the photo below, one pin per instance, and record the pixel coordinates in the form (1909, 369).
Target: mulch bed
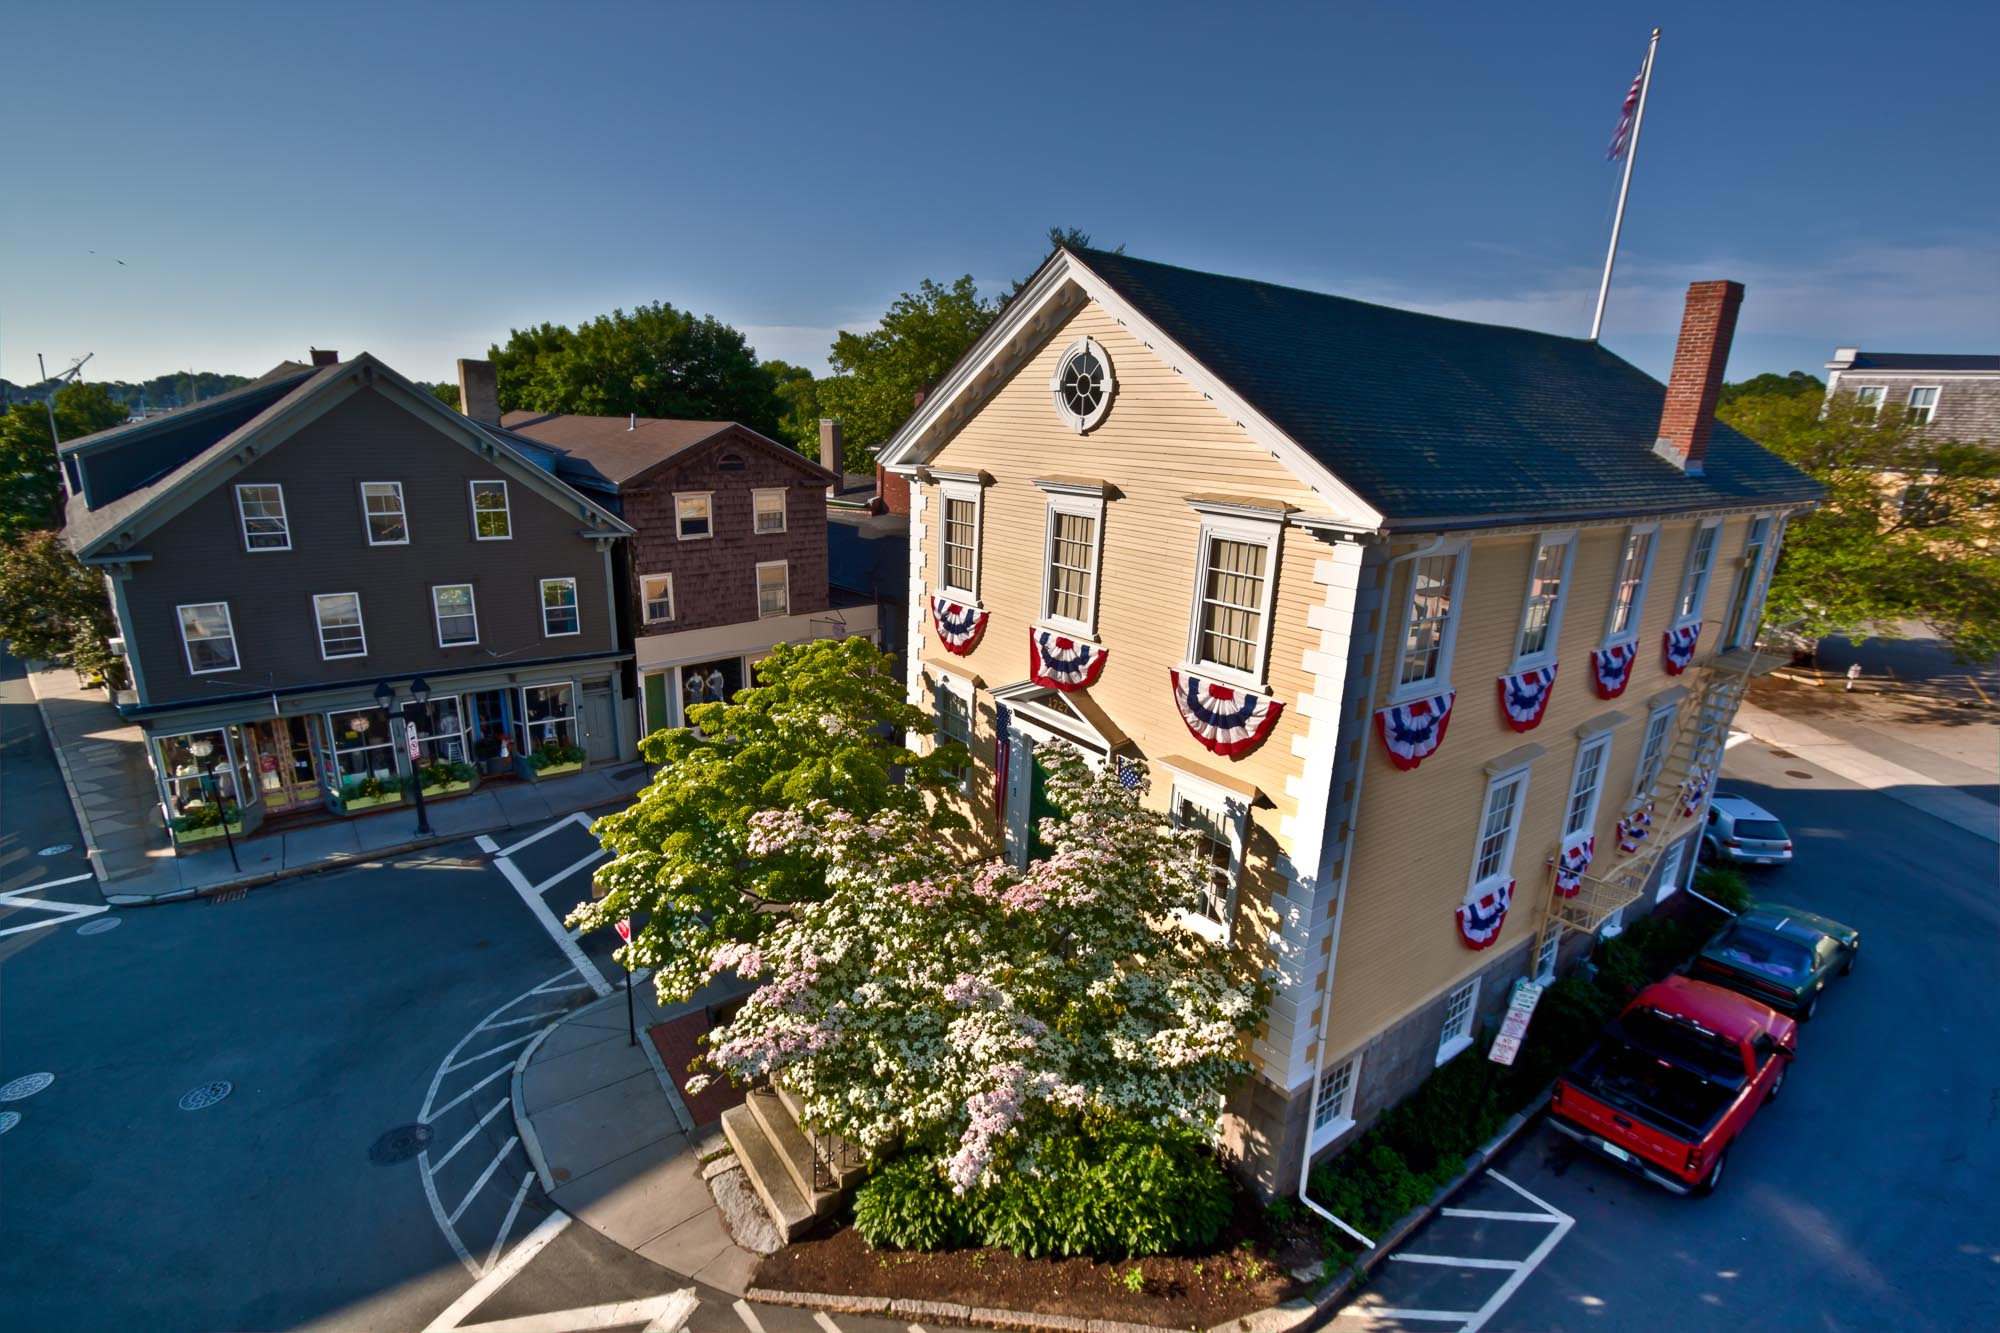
(679, 1041)
(1239, 1274)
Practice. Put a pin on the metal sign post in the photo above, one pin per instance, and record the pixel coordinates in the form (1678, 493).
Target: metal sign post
(631, 1024)
(1514, 1026)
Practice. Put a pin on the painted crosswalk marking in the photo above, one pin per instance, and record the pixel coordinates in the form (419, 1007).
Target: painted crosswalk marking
(62, 912)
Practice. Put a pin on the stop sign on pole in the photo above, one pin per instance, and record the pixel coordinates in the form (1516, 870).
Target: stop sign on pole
(625, 930)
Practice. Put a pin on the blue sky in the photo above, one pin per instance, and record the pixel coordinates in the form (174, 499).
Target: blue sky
(416, 179)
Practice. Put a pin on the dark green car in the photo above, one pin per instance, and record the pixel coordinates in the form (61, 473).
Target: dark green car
(1783, 956)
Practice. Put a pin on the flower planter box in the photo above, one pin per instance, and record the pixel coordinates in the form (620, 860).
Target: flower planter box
(450, 789)
(349, 805)
(213, 833)
(553, 770)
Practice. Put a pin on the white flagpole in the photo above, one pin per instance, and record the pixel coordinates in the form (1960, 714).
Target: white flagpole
(1625, 186)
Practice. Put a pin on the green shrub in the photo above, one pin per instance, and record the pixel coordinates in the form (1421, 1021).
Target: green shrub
(444, 772)
(204, 816)
(1108, 1194)
(550, 753)
(1724, 885)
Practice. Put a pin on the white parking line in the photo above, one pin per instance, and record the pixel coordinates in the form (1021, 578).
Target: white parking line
(749, 1317)
(819, 1317)
(659, 1314)
(1437, 1316)
(500, 1274)
(579, 818)
(503, 1069)
(531, 895)
(484, 1176)
(1496, 1215)
(1563, 1222)
(1454, 1261)
(64, 912)
(492, 1050)
(471, 1134)
(507, 1223)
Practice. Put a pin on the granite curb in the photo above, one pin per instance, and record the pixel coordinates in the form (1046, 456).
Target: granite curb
(1281, 1318)
(90, 851)
(523, 1126)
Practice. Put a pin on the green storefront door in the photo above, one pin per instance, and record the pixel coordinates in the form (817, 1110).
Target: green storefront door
(656, 703)
(1040, 807)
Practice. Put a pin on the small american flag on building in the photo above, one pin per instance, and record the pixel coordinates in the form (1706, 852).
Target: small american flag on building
(1128, 774)
(1621, 138)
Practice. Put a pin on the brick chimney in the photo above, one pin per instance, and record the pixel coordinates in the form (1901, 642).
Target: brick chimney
(1707, 326)
(322, 356)
(893, 491)
(479, 391)
(831, 449)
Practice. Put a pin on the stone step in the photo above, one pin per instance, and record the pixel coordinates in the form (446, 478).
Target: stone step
(790, 1213)
(794, 1149)
(845, 1177)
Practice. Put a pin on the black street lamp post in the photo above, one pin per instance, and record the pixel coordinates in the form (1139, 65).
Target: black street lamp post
(203, 750)
(420, 691)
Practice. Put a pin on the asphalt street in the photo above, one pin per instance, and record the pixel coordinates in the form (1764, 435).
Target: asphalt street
(1861, 1199)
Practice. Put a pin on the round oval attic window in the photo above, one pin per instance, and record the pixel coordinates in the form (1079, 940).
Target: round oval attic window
(1082, 384)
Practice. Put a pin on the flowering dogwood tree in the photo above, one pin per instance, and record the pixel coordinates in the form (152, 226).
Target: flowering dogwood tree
(823, 726)
(967, 1010)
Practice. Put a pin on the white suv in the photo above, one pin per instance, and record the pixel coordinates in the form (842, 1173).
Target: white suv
(1739, 829)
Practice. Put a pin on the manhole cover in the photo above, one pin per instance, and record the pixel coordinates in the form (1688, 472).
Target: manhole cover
(1796, 773)
(207, 1095)
(25, 1086)
(55, 850)
(99, 926)
(400, 1144)
(9, 1119)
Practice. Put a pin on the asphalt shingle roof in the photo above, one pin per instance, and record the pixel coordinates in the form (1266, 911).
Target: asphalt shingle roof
(1923, 361)
(1442, 419)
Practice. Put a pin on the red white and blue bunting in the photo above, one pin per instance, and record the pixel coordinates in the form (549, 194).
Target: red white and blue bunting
(1572, 863)
(1525, 697)
(1693, 788)
(1227, 720)
(1613, 669)
(1413, 731)
(1062, 663)
(1679, 644)
(1479, 921)
(1635, 827)
(958, 625)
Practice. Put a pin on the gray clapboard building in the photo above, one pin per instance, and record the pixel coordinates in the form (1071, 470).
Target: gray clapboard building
(1957, 397)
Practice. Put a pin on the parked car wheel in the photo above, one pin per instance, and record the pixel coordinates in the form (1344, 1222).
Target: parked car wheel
(1848, 967)
(1714, 1176)
(1812, 1007)
(1706, 852)
(1771, 1095)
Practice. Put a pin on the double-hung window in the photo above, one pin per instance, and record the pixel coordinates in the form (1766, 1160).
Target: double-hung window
(1701, 564)
(774, 589)
(1218, 825)
(656, 597)
(1460, 1008)
(1653, 753)
(1493, 859)
(340, 631)
(1746, 600)
(693, 516)
(1541, 614)
(1923, 406)
(559, 613)
(209, 636)
(1072, 548)
(382, 508)
(1870, 397)
(1628, 592)
(261, 507)
(953, 699)
(958, 537)
(1333, 1101)
(1547, 954)
(1430, 617)
(1235, 573)
(767, 508)
(457, 617)
(491, 521)
(1586, 786)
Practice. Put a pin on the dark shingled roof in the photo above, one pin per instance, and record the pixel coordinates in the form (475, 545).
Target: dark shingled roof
(1430, 418)
(1922, 361)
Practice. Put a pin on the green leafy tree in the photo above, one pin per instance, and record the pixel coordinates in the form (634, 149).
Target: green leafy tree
(444, 393)
(655, 360)
(1907, 530)
(877, 374)
(798, 391)
(1797, 384)
(30, 485)
(823, 726)
(54, 608)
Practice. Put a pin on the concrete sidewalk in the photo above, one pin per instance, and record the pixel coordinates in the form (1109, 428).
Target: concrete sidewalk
(111, 788)
(616, 1145)
(1918, 790)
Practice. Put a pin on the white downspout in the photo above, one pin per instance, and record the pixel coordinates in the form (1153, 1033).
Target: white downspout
(1432, 547)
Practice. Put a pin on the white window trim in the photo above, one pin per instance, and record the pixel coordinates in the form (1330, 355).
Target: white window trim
(1449, 1047)
(784, 516)
(1936, 402)
(1440, 682)
(1475, 886)
(1547, 959)
(1749, 575)
(437, 618)
(1233, 813)
(1601, 741)
(402, 509)
(1343, 1120)
(187, 649)
(1086, 504)
(1236, 529)
(243, 519)
(1641, 784)
(1549, 653)
(319, 624)
(1688, 593)
(1081, 424)
(1671, 884)
(673, 607)
(707, 499)
(962, 688)
(1614, 637)
(506, 507)
(974, 492)
(576, 605)
(1881, 395)
(758, 586)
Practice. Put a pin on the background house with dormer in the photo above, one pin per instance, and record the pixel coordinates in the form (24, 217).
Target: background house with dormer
(1952, 396)
(278, 554)
(1434, 630)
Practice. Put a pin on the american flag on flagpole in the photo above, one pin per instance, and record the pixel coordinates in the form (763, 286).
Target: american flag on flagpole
(1621, 138)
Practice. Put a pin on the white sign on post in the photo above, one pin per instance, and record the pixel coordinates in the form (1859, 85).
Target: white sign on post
(1514, 1025)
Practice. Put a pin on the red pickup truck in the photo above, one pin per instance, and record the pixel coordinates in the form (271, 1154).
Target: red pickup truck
(1674, 1079)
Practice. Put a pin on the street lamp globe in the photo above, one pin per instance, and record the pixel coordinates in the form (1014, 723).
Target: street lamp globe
(420, 690)
(384, 696)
